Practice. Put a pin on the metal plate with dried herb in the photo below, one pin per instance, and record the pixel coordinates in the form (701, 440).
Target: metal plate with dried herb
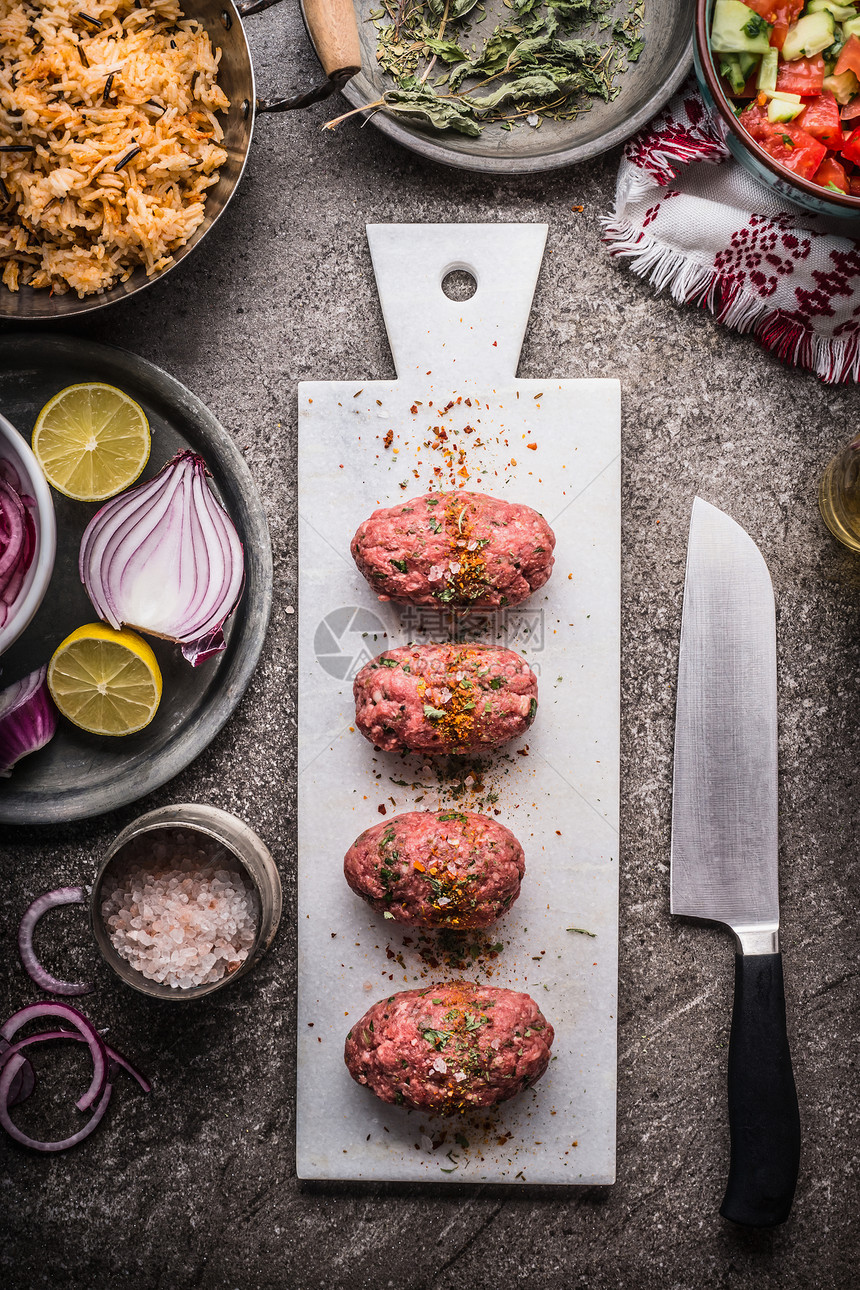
(517, 86)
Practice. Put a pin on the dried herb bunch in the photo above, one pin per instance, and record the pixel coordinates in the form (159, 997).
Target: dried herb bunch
(548, 58)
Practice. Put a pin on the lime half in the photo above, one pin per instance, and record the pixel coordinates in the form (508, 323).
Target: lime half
(91, 441)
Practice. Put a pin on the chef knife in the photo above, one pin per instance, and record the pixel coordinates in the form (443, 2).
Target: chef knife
(724, 843)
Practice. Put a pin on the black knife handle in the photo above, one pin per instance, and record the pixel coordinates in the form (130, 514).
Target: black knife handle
(764, 1121)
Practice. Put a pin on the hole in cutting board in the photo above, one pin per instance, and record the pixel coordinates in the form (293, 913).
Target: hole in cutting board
(459, 284)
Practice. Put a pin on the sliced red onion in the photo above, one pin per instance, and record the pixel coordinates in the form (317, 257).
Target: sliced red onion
(32, 966)
(13, 532)
(10, 474)
(24, 1081)
(165, 558)
(13, 587)
(17, 537)
(7, 1078)
(115, 1059)
(28, 719)
(32, 1012)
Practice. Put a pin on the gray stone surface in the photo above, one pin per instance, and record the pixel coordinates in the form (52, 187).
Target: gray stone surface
(194, 1186)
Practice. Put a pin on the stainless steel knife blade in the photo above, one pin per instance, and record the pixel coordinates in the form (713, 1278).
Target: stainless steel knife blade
(724, 803)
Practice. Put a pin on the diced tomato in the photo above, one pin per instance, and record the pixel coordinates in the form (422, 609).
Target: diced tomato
(767, 8)
(849, 59)
(755, 122)
(784, 15)
(831, 173)
(803, 76)
(787, 143)
(854, 185)
(778, 32)
(851, 147)
(821, 118)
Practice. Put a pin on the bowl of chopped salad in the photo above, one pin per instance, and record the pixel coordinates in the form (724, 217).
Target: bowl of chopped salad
(784, 76)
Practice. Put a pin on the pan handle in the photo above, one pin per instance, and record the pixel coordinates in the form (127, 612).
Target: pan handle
(334, 31)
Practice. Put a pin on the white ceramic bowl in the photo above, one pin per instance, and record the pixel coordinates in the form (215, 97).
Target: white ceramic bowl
(14, 447)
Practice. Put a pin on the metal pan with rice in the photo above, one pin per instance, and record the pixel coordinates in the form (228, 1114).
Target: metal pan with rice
(109, 139)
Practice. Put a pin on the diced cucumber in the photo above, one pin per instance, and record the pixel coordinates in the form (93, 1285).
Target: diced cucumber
(843, 87)
(783, 96)
(767, 71)
(737, 29)
(838, 11)
(730, 69)
(851, 27)
(831, 54)
(779, 110)
(809, 36)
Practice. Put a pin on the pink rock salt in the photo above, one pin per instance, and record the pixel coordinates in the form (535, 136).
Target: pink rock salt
(180, 910)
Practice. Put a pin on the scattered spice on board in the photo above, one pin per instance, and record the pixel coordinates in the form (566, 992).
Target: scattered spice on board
(474, 952)
(545, 58)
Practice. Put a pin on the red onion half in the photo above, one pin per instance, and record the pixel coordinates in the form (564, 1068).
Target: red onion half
(28, 719)
(165, 558)
(32, 966)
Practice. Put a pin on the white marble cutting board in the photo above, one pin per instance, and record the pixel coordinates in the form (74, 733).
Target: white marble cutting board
(358, 442)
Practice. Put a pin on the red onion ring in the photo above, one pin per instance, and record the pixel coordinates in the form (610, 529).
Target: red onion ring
(24, 1081)
(115, 1059)
(96, 1044)
(6, 1079)
(32, 966)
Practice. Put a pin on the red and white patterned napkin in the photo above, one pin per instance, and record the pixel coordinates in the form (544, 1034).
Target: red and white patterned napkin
(693, 221)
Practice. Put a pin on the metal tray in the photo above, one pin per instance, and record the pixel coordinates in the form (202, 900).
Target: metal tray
(80, 775)
(645, 86)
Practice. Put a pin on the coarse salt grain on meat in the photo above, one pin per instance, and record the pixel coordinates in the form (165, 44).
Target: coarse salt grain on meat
(450, 1048)
(465, 550)
(454, 869)
(445, 698)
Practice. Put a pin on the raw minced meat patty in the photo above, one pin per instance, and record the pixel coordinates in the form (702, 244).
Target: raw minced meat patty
(454, 869)
(450, 1048)
(445, 698)
(461, 549)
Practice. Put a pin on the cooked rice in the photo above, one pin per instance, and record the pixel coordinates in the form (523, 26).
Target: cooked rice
(114, 181)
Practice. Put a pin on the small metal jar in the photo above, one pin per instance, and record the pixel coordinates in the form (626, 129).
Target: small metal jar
(244, 846)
